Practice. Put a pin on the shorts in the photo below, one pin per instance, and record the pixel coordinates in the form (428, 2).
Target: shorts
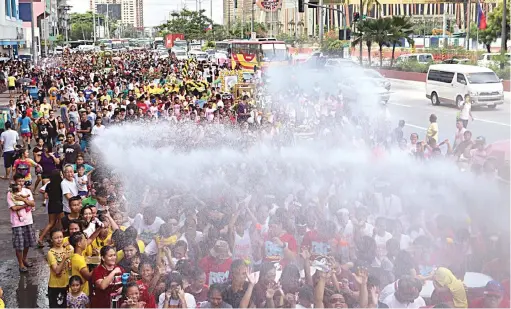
(83, 193)
(57, 297)
(28, 183)
(9, 158)
(84, 144)
(12, 87)
(23, 237)
(29, 134)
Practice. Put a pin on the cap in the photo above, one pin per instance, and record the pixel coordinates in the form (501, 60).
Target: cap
(481, 139)
(494, 288)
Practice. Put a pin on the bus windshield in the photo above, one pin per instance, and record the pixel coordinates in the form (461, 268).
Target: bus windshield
(274, 52)
(222, 46)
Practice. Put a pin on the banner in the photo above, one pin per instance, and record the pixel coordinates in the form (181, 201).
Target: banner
(269, 5)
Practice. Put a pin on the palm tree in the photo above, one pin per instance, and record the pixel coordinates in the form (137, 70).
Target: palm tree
(364, 34)
(381, 30)
(402, 29)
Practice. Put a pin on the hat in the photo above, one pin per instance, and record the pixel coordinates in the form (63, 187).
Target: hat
(494, 288)
(481, 139)
(221, 250)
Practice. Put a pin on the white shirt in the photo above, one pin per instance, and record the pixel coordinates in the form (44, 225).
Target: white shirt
(381, 243)
(392, 302)
(149, 230)
(9, 139)
(68, 187)
(465, 110)
(389, 206)
(190, 301)
(97, 130)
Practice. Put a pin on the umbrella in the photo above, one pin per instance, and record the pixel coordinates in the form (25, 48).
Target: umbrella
(500, 150)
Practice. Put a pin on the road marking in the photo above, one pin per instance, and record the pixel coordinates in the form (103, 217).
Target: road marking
(417, 127)
(404, 105)
(493, 122)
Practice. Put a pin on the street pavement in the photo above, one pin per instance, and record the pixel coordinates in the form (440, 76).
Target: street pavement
(27, 290)
(408, 102)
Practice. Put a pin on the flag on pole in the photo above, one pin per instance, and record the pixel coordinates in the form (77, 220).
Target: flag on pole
(481, 17)
(209, 27)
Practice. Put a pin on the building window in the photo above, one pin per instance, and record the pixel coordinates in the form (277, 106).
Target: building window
(8, 7)
(14, 9)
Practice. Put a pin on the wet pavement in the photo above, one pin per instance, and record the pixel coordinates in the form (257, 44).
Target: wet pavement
(21, 290)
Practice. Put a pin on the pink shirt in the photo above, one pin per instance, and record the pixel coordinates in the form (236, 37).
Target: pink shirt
(23, 213)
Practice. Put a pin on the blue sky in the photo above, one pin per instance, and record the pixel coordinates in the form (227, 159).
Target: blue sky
(156, 11)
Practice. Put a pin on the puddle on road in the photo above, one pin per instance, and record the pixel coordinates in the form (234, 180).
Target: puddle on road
(25, 290)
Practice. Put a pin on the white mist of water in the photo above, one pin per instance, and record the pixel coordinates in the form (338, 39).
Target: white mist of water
(169, 159)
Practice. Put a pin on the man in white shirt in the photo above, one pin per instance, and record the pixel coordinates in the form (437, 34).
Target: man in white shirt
(69, 187)
(406, 294)
(389, 205)
(8, 140)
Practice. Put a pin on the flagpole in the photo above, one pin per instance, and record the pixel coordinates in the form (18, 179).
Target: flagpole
(478, 22)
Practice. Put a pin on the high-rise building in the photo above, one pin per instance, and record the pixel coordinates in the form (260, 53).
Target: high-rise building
(132, 11)
(229, 16)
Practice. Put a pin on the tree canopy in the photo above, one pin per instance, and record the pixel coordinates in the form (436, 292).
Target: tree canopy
(192, 24)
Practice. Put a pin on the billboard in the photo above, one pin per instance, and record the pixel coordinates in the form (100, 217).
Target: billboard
(114, 11)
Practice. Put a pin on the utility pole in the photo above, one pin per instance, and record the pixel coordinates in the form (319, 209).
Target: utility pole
(503, 43)
(94, 23)
(252, 21)
(468, 23)
(358, 30)
(321, 22)
(32, 26)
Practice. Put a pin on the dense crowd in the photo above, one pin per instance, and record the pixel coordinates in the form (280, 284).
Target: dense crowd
(167, 188)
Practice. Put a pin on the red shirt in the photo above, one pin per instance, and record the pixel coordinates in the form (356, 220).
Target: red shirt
(215, 273)
(273, 252)
(142, 106)
(101, 298)
(145, 296)
(479, 303)
(316, 244)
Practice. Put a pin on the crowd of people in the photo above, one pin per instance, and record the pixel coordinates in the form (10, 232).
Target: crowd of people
(165, 188)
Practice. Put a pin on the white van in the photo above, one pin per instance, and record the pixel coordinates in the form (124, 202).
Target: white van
(449, 83)
(488, 59)
(423, 58)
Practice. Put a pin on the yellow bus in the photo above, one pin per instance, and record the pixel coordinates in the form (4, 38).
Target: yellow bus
(247, 54)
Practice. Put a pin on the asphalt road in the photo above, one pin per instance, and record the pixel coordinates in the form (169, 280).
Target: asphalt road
(408, 102)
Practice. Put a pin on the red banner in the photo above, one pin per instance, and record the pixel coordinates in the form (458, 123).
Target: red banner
(269, 5)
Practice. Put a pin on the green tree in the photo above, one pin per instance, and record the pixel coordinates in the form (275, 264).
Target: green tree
(402, 28)
(493, 28)
(80, 26)
(382, 31)
(367, 31)
(192, 24)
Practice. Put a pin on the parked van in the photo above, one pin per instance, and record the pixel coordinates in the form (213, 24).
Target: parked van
(449, 83)
(488, 59)
(420, 58)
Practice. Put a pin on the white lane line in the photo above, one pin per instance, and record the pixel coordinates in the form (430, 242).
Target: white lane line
(493, 122)
(417, 127)
(404, 105)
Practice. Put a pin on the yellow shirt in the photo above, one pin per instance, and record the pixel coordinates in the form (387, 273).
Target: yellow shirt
(56, 258)
(141, 248)
(78, 263)
(433, 127)
(12, 81)
(53, 93)
(98, 244)
(2, 304)
(45, 109)
(107, 97)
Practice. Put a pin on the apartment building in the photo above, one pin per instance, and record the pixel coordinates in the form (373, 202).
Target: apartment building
(11, 33)
(132, 11)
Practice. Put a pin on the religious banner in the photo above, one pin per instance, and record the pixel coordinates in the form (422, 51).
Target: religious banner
(269, 5)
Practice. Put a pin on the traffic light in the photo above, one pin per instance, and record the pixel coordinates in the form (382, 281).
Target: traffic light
(301, 7)
(356, 16)
(341, 35)
(448, 25)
